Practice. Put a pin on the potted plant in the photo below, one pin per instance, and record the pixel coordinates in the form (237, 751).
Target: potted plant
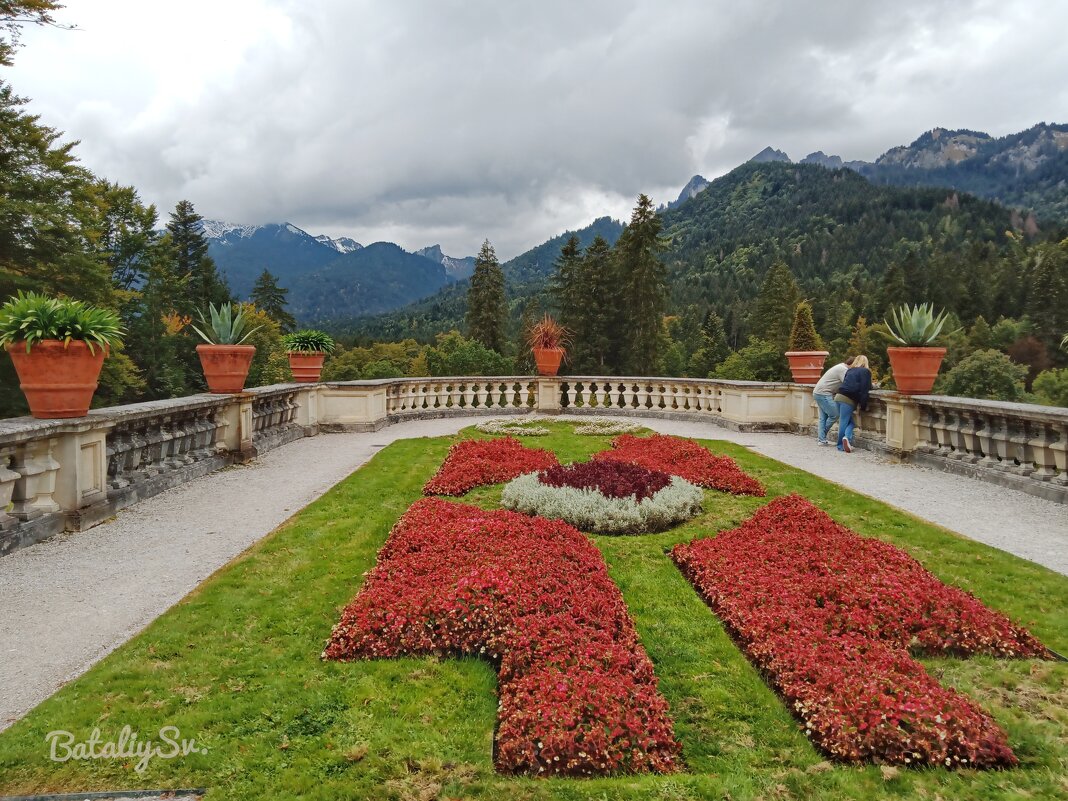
(58, 346)
(225, 360)
(806, 354)
(547, 340)
(915, 360)
(307, 350)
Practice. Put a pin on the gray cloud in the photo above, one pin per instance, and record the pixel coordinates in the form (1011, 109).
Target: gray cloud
(455, 121)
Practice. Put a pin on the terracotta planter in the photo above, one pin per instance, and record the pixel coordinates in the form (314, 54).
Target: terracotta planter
(548, 360)
(226, 366)
(915, 369)
(58, 379)
(306, 366)
(806, 365)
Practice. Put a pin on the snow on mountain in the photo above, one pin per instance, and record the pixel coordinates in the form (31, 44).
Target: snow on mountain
(217, 229)
(342, 244)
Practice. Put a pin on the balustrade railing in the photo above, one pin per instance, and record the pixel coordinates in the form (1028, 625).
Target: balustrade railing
(70, 474)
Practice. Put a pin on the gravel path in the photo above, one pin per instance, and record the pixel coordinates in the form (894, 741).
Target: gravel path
(68, 602)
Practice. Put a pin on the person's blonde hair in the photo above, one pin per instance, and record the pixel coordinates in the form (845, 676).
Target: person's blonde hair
(860, 361)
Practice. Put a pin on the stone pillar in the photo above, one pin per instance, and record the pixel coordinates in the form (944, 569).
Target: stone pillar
(237, 421)
(802, 412)
(307, 411)
(32, 494)
(549, 395)
(902, 423)
(7, 486)
(81, 480)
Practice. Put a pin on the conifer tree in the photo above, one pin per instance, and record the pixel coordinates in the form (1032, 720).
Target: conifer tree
(270, 298)
(803, 335)
(596, 337)
(1048, 293)
(774, 314)
(485, 300)
(565, 288)
(643, 288)
(188, 248)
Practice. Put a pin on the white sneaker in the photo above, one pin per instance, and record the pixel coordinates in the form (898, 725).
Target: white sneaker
(822, 442)
(847, 446)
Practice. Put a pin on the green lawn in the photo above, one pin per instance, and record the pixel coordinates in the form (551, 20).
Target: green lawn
(236, 666)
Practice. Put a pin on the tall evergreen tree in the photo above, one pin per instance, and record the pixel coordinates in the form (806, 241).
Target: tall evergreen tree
(774, 314)
(643, 288)
(564, 286)
(595, 337)
(1048, 293)
(270, 298)
(485, 300)
(190, 262)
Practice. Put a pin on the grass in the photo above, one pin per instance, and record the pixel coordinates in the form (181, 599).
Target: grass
(236, 666)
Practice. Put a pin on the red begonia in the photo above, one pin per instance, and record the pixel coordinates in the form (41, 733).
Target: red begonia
(477, 462)
(577, 692)
(683, 458)
(830, 618)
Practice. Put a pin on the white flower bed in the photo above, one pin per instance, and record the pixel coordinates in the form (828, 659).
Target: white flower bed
(589, 510)
(522, 426)
(607, 428)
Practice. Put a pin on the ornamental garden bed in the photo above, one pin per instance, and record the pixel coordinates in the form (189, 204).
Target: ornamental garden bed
(606, 497)
(237, 666)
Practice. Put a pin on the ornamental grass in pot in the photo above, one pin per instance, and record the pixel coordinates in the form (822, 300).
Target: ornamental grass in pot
(548, 342)
(806, 354)
(225, 360)
(58, 347)
(307, 350)
(915, 360)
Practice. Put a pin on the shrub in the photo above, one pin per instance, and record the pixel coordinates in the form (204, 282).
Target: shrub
(577, 692)
(477, 462)
(1051, 387)
(612, 479)
(803, 335)
(830, 617)
(684, 458)
(986, 375)
(760, 360)
(598, 509)
(456, 355)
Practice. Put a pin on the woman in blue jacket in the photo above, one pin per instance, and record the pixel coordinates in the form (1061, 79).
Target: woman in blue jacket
(852, 395)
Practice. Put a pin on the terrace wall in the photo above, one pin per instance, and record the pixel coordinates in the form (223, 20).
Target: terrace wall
(67, 475)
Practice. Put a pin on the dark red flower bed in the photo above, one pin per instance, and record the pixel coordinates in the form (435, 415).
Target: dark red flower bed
(577, 691)
(830, 616)
(612, 479)
(477, 462)
(683, 458)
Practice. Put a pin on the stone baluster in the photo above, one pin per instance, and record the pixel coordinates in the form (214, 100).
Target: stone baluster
(1041, 448)
(32, 492)
(8, 478)
(1020, 460)
(1059, 446)
(602, 394)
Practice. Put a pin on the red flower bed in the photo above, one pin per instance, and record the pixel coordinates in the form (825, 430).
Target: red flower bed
(683, 458)
(612, 479)
(477, 462)
(577, 690)
(829, 616)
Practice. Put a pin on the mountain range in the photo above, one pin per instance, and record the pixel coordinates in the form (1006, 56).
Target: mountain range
(327, 278)
(1026, 170)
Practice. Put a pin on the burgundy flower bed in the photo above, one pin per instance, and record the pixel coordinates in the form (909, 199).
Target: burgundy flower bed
(829, 617)
(683, 458)
(611, 479)
(477, 462)
(577, 691)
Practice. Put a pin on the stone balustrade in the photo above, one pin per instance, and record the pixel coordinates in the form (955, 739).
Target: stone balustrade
(58, 475)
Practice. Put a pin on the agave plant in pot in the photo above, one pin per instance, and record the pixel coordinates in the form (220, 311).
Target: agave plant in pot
(548, 342)
(806, 354)
(225, 360)
(915, 359)
(307, 350)
(58, 346)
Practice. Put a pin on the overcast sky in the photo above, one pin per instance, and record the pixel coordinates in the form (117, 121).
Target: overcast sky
(441, 121)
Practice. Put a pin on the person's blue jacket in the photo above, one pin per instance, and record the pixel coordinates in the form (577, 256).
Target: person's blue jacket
(856, 385)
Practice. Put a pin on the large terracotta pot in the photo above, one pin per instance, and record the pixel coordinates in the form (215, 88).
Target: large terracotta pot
(915, 369)
(226, 366)
(57, 378)
(548, 360)
(306, 366)
(806, 365)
